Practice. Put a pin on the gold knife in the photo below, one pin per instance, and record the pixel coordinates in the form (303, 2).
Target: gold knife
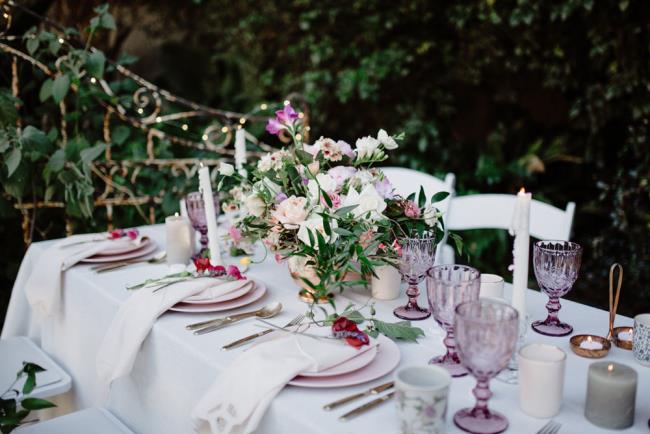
(365, 407)
(373, 391)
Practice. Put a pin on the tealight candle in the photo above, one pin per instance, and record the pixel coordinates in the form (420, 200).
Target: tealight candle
(589, 344)
(611, 395)
(179, 239)
(625, 336)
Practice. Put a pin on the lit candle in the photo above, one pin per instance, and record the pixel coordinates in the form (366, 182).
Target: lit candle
(611, 395)
(179, 239)
(205, 185)
(519, 227)
(589, 344)
(625, 336)
(240, 150)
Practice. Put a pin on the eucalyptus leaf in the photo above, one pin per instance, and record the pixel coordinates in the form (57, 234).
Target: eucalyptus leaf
(13, 161)
(401, 330)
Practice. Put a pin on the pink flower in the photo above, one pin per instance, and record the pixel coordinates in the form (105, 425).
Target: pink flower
(287, 115)
(234, 272)
(235, 234)
(291, 211)
(132, 233)
(340, 174)
(411, 209)
(274, 127)
(345, 148)
(114, 235)
(334, 197)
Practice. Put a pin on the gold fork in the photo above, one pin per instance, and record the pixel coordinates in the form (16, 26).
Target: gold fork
(294, 322)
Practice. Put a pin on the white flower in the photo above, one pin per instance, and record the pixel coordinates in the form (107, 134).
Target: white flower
(255, 205)
(368, 201)
(430, 215)
(323, 182)
(226, 169)
(340, 174)
(271, 161)
(291, 212)
(315, 224)
(362, 178)
(271, 186)
(386, 140)
(366, 147)
(237, 193)
(329, 148)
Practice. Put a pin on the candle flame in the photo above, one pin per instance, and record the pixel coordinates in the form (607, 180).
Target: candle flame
(201, 163)
(175, 214)
(610, 367)
(522, 190)
(589, 339)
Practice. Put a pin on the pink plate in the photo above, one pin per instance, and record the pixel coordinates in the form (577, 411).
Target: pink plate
(388, 357)
(226, 297)
(359, 361)
(252, 296)
(122, 248)
(149, 248)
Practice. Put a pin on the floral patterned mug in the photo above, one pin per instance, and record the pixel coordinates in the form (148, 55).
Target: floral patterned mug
(641, 339)
(421, 396)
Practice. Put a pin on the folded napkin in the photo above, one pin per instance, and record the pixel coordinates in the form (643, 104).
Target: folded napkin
(136, 317)
(237, 400)
(43, 286)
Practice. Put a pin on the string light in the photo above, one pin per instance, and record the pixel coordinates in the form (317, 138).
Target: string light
(308, 128)
(5, 15)
(158, 119)
(287, 102)
(140, 111)
(184, 127)
(301, 115)
(61, 40)
(298, 136)
(224, 129)
(242, 121)
(204, 137)
(93, 80)
(263, 106)
(239, 127)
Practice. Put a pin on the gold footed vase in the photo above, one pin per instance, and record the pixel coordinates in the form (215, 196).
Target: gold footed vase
(307, 294)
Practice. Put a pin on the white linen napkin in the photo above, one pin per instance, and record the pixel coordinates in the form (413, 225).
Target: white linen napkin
(237, 400)
(43, 286)
(136, 317)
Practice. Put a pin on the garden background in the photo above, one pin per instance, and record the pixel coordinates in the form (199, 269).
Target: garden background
(550, 95)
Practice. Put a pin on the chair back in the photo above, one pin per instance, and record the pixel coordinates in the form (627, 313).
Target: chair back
(494, 211)
(407, 181)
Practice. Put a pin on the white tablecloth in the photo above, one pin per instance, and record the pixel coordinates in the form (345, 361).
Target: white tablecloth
(174, 368)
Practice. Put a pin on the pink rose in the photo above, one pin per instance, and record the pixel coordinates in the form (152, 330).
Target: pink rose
(291, 212)
(411, 209)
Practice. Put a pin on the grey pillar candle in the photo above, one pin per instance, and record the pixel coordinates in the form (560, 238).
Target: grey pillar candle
(611, 395)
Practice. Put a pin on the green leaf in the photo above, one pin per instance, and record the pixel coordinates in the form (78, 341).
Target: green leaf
(401, 330)
(304, 157)
(120, 134)
(30, 383)
(343, 232)
(354, 316)
(34, 138)
(422, 198)
(60, 88)
(46, 90)
(12, 161)
(13, 419)
(88, 155)
(345, 210)
(411, 197)
(326, 198)
(107, 21)
(95, 64)
(441, 195)
(326, 225)
(36, 404)
(54, 46)
(32, 45)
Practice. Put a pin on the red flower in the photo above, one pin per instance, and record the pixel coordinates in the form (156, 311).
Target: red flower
(202, 264)
(344, 328)
(233, 271)
(119, 233)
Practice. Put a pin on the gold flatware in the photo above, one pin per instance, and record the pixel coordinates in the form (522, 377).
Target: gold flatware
(374, 391)
(365, 407)
(156, 259)
(203, 327)
(105, 238)
(239, 342)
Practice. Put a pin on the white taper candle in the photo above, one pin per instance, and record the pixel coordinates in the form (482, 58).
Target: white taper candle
(520, 229)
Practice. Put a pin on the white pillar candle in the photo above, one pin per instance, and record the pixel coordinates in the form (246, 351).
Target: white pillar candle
(387, 283)
(240, 150)
(491, 286)
(541, 379)
(520, 229)
(205, 185)
(179, 244)
(183, 207)
(611, 395)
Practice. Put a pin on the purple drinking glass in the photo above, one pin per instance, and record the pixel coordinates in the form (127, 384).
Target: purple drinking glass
(556, 265)
(417, 257)
(196, 213)
(486, 335)
(447, 287)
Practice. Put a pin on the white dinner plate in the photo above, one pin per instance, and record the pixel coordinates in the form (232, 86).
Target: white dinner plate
(361, 360)
(147, 249)
(226, 297)
(387, 358)
(250, 297)
(121, 248)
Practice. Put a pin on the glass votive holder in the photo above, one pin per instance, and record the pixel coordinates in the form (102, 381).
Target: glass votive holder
(541, 379)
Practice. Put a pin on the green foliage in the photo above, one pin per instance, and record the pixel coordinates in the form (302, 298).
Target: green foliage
(13, 411)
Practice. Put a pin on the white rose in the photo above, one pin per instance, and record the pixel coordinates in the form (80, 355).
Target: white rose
(291, 212)
(315, 224)
(366, 147)
(265, 164)
(431, 215)
(386, 140)
(226, 169)
(255, 205)
(368, 201)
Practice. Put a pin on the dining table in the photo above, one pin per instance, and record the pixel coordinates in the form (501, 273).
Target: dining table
(174, 367)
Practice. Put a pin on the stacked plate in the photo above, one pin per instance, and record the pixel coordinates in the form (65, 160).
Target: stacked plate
(371, 363)
(124, 252)
(247, 294)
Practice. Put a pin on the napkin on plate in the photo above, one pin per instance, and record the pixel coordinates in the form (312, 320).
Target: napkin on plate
(136, 317)
(237, 400)
(43, 287)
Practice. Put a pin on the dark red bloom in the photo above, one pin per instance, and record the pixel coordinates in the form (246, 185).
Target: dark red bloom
(348, 330)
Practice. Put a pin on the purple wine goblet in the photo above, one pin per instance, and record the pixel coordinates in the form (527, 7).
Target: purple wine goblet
(196, 213)
(486, 335)
(417, 257)
(447, 287)
(556, 265)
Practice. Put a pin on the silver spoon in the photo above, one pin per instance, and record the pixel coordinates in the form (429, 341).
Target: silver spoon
(156, 259)
(268, 311)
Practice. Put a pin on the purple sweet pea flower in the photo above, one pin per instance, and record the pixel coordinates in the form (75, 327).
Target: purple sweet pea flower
(280, 197)
(345, 148)
(385, 188)
(286, 115)
(274, 127)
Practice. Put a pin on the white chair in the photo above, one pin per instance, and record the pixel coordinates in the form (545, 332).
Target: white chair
(90, 420)
(407, 181)
(494, 211)
(14, 351)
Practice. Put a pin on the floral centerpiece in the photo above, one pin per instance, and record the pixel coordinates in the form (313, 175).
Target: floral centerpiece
(326, 208)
